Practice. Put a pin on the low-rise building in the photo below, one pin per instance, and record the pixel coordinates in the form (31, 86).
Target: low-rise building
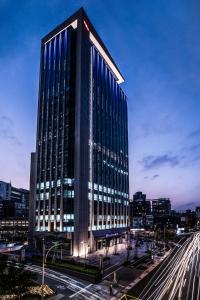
(188, 219)
(161, 206)
(14, 202)
(139, 208)
(13, 229)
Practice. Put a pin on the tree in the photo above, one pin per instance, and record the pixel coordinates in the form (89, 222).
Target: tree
(14, 278)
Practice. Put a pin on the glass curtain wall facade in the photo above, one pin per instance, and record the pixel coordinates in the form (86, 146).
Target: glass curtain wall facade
(109, 185)
(82, 183)
(55, 143)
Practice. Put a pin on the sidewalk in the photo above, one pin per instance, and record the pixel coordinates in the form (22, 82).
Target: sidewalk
(124, 274)
(120, 258)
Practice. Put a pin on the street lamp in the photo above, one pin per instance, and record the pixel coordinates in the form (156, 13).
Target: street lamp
(56, 244)
(44, 258)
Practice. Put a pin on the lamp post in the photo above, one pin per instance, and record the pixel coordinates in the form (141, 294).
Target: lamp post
(54, 246)
(44, 258)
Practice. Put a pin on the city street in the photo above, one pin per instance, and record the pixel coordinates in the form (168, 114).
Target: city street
(68, 286)
(71, 287)
(177, 278)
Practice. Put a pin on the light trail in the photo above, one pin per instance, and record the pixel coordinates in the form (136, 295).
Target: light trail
(179, 279)
(79, 289)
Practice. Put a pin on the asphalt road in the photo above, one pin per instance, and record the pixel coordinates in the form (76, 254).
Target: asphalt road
(69, 287)
(177, 278)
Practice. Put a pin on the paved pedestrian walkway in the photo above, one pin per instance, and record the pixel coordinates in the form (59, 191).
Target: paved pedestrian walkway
(120, 257)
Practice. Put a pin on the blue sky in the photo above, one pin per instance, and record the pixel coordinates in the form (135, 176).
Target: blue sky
(156, 45)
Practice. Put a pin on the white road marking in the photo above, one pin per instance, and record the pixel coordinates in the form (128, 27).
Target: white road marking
(83, 289)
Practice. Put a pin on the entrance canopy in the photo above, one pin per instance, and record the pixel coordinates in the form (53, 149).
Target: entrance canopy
(108, 233)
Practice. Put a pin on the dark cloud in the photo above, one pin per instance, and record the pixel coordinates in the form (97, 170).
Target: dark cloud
(196, 158)
(195, 152)
(7, 131)
(191, 153)
(154, 162)
(152, 177)
(195, 133)
(6, 121)
(152, 129)
(194, 148)
(188, 205)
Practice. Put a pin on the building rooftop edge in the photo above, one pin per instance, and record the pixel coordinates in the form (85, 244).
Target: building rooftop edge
(81, 14)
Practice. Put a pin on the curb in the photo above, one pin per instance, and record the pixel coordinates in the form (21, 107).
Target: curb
(132, 284)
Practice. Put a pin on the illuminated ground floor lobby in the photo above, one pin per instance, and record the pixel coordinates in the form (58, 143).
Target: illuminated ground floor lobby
(101, 239)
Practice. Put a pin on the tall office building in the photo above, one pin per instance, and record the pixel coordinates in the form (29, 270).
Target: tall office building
(82, 184)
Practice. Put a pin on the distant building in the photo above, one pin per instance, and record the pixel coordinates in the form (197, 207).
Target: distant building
(149, 222)
(1, 209)
(198, 212)
(161, 206)
(32, 185)
(14, 202)
(5, 190)
(174, 219)
(137, 223)
(198, 216)
(14, 229)
(188, 219)
(139, 208)
(14, 209)
(139, 196)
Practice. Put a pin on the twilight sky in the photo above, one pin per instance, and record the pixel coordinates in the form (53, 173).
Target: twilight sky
(156, 45)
